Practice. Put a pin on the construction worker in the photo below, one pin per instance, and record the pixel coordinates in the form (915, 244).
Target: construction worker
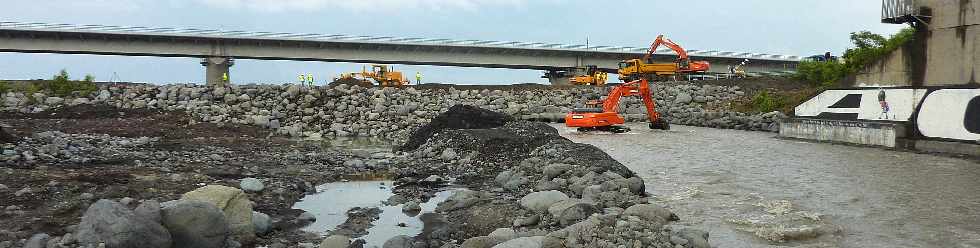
(309, 80)
(418, 77)
(302, 78)
(224, 77)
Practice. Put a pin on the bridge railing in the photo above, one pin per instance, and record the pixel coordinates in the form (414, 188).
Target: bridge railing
(212, 33)
(898, 11)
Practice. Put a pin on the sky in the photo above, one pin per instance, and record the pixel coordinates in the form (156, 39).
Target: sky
(791, 27)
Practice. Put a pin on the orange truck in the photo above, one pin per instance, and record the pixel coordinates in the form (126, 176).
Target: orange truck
(635, 69)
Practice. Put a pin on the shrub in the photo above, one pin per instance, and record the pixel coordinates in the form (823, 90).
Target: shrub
(869, 47)
(5, 87)
(766, 102)
(62, 85)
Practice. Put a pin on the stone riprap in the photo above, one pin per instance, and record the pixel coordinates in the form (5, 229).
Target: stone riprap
(345, 110)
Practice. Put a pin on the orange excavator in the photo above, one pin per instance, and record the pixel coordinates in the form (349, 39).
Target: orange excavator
(607, 118)
(635, 69)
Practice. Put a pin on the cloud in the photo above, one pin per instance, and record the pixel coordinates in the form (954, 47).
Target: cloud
(359, 5)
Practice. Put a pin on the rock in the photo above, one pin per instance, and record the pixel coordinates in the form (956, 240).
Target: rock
(335, 241)
(650, 212)
(306, 217)
(540, 201)
(503, 233)
(39, 240)
(481, 242)
(411, 207)
(86, 196)
(396, 199)
(525, 242)
(527, 221)
(196, 224)
(400, 241)
(126, 201)
(149, 210)
(111, 223)
(235, 205)
(54, 100)
(575, 213)
(251, 185)
(448, 154)
(262, 222)
(25, 190)
(556, 209)
(694, 238)
(554, 170)
(683, 98)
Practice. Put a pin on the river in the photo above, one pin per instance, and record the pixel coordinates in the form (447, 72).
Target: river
(753, 189)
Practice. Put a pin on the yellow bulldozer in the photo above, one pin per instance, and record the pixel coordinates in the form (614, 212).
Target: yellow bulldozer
(592, 76)
(382, 75)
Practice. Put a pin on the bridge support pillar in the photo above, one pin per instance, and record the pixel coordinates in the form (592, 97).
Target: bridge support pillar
(217, 70)
(558, 77)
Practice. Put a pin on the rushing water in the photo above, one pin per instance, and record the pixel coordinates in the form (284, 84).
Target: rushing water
(751, 189)
(332, 201)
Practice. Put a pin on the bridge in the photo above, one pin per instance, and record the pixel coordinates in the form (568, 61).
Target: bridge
(218, 49)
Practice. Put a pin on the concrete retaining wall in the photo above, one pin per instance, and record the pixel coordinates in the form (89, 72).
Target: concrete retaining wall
(853, 132)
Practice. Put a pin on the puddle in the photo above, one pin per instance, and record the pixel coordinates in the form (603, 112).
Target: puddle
(330, 206)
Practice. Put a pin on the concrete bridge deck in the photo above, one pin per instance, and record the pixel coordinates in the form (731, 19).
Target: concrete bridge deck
(218, 48)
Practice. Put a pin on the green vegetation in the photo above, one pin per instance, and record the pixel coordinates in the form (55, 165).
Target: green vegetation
(765, 102)
(62, 85)
(5, 87)
(869, 47)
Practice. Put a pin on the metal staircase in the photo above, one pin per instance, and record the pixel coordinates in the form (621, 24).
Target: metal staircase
(903, 11)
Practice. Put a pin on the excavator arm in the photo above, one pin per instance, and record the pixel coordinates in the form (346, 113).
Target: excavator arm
(681, 53)
(638, 87)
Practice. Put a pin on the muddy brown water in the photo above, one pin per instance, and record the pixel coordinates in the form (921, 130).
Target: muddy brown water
(752, 189)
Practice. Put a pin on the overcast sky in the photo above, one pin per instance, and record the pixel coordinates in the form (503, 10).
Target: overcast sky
(793, 27)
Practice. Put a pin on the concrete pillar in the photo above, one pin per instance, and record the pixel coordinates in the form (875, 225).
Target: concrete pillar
(216, 69)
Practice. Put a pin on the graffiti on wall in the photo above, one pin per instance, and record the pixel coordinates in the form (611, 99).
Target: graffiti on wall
(939, 113)
(951, 114)
(865, 104)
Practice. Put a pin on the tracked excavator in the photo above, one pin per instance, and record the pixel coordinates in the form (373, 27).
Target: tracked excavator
(604, 115)
(635, 69)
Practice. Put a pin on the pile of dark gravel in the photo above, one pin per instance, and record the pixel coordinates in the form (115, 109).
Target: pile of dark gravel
(457, 117)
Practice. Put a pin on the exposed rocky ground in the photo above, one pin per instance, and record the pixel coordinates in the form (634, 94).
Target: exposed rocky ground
(190, 166)
(56, 165)
(350, 110)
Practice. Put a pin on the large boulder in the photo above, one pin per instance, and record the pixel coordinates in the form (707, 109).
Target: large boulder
(400, 241)
(262, 222)
(335, 241)
(233, 203)
(251, 185)
(110, 222)
(540, 201)
(650, 212)
(196, 224)
(525, 242)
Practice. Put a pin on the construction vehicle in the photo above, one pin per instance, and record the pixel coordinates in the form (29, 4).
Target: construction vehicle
(592, 76)
(635, 69)
(604, 116)
(382, 75)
